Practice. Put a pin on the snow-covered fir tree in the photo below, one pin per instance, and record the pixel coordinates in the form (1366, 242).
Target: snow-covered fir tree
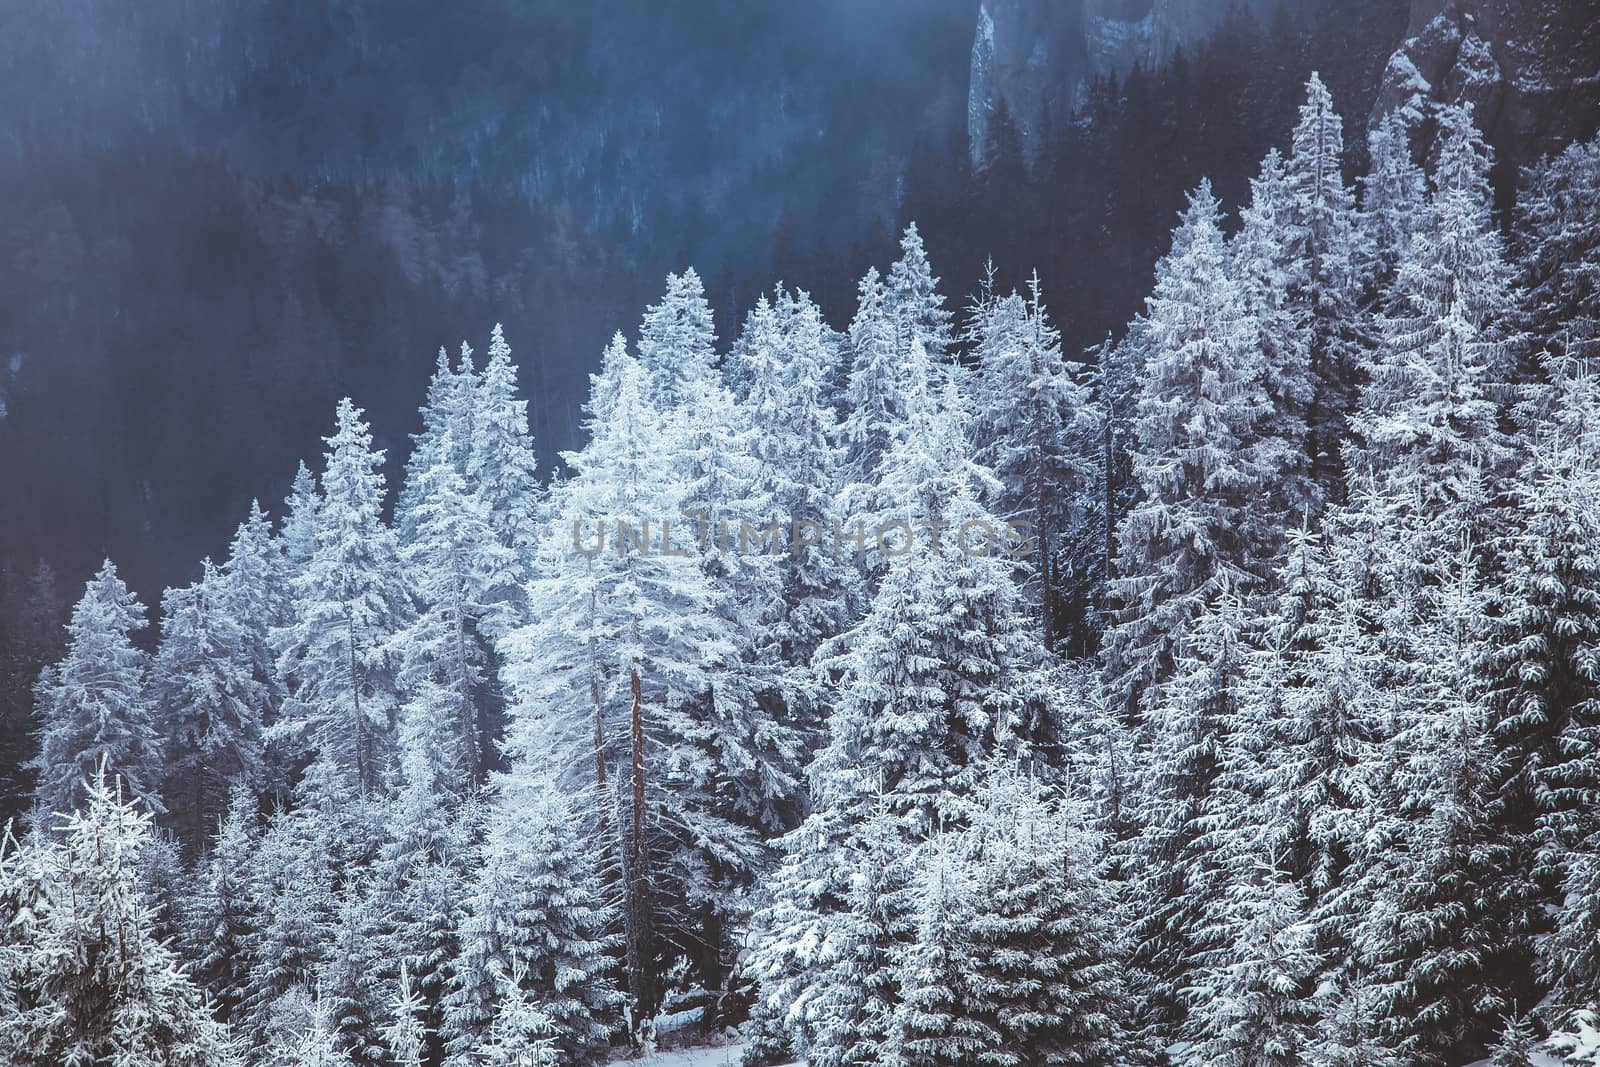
(913, 302)
(1046, 970)
(297, 538)
(92, 707)
(292, 892)
(1558, 240)
(448, 562)
(501, 474)
(1255, 1006)
(83, 978)
(874, 399)
(1394, 195)
(1269, 258)
(1427, 427)
(1180, 877)
(339, 654)
(211, 703)
(407, 1032)
(677, 340)
(1199, 528)
(448, 409)
(1027, 402)
(222, 920)
(1440, 936)
(1546, 695)
(797, 471)
(536, 910)
(933, 1026)
(1322, 226)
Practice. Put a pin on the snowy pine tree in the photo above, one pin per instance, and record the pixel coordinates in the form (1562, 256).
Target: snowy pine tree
(874, 397)
(1323, 223)
(1394, 196)
(339, 654)
(448, 563)
(83, 979)
(448, 409)
(536, 909)
(677, 340)
(500, 474)
(1197, 531)
(933, 1026)
(1027, 400)
(1427, 427)
(913, 302)
(92, 706)
(211, 704)
(222, 920)
(1046, 960)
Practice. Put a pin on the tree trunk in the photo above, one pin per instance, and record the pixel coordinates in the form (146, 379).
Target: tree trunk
(636, 881)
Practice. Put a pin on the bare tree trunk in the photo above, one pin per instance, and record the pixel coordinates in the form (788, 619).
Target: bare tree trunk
(1110, 495)
(636, 880)
(599, 739)
(472, 754)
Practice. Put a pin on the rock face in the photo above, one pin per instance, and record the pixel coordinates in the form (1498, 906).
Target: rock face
(1041, 55)
(1530, 68)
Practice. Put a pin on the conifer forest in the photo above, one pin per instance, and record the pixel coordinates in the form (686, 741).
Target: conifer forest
(1090, 557)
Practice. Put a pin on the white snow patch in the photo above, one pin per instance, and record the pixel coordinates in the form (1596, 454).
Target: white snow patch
(703, 1056)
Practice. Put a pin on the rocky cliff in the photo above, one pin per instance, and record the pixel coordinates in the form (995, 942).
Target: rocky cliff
(1530, 68)
(1041, 55)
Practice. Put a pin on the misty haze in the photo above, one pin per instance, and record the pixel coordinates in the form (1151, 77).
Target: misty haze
(762, 533)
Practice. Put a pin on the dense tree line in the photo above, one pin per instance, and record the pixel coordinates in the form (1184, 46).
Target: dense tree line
(192, 345)
(655, 128)
(679, 737)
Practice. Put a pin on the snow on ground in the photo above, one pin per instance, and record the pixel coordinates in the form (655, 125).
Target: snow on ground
(697, 1056)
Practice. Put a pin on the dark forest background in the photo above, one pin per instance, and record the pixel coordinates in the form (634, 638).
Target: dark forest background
(219, 218)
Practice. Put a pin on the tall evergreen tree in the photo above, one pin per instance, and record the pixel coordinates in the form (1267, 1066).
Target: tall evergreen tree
(1197, 531)
(298, 537)
(913, 301)
(339, 655)
(1546, 696)
(874, 395)
(677, 340)
(1274, 271)
(1323, 220)
(292, 890)
(83, 978)
(1181, 879)
(449, 560)
(1046, 958)
(448, 409)
(536, 909)
(211, 705)
(617, 681)
(1394, 196)
(1428, 428)
(501, 474)
(92, 706)
(932, 1026)
(1443, 936)
(222, 921)
(1027, 400)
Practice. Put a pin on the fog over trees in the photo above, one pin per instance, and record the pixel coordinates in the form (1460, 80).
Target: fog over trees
(1125, 598)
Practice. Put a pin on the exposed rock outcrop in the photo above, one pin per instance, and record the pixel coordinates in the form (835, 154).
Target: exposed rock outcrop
(1530, 69)
(1041, 55)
